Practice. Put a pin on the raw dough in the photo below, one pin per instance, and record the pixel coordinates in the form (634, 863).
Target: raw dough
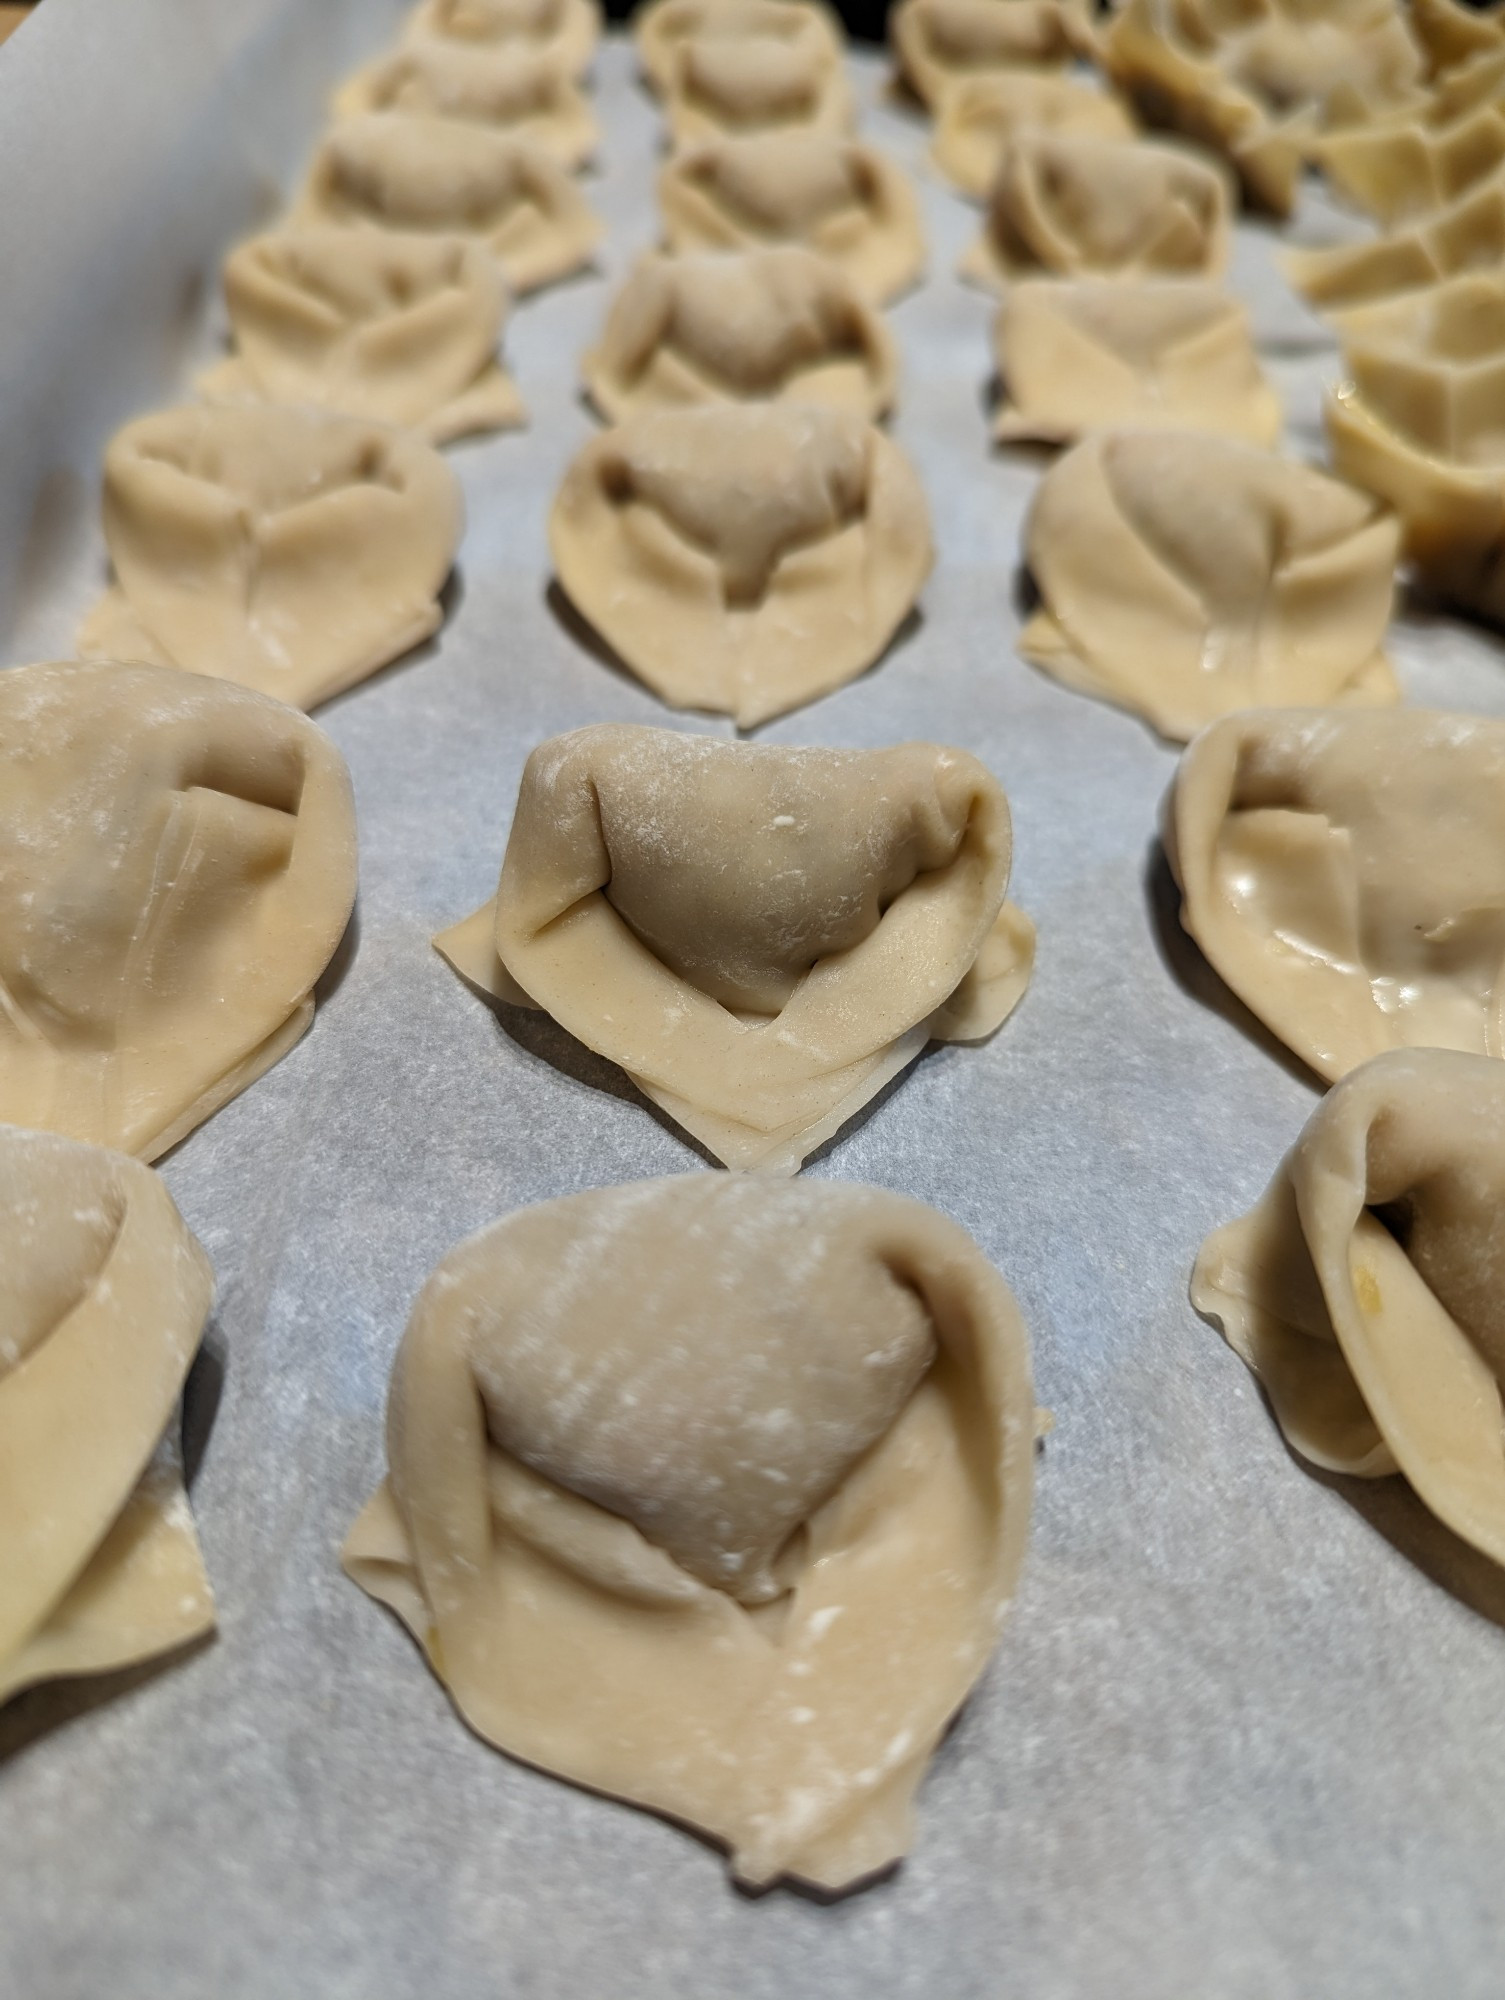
(106, 1294)
(566, 29)
(711, 1494)
(293, 550)
(743, 558)
(664, 27)
(1451, 35)
(1428, 154)
(939, 43)
(398, 328)
(728, 83)
(395, 170)
(979, 116)
(520, 92)
(1185, 576)
(1468, 235)
(1421, 422)
(761, 936)
(845, 200)
(1345, 873)
(177, 867)
(1072, 205)
(743, 326)
(1082, 354)
(1364, 1290)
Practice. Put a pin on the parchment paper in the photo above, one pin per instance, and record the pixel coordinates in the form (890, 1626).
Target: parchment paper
(1239, 1740)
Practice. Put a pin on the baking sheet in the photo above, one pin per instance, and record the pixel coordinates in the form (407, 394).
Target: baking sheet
(1244, 1735)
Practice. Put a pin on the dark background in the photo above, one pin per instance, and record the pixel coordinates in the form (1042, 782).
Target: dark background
(864, 18)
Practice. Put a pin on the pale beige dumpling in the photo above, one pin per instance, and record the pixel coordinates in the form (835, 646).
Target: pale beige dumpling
(1345, 874)
(741, 326)
(106, 1294)
(938, 44)
(1363, 1290)
(1420, 420)
(520, 92)
(725, 84)
(177, 868)
(743, 558)
(1451, 35)
(1072, 206)
(711, 1494)
(979, 116)
(838, 197)
(567, 30)
(402, 329)
(1426, 155)
(662, 28)
(762, 937)
(292, 550)
(397, 170)
(1184, 576)
(1083, 354)
(1466, 236)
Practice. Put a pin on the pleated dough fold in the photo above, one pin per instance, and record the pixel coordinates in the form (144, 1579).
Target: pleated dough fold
(940, 44)
(662, 29)
(980, 116)
(567, 30)
(726, 83)
(519, 92)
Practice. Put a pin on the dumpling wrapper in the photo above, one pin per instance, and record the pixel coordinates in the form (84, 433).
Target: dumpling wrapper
(1426, 155)
(292, 550)
(743, 558)
(1451, 35)
(1466, 236)
(1084, 354)
(396, 170)
(567, 30)
(1345, 874)
(711, 1494)
(662, 28)
(106, 1294)
(1074, 206)
(762, 937)
(979, 116)
(938, 44)
(401, 329)
(838, 197)
(1420, 420)
(741, 326)
(517, 91)
(1363, 1290)
(722, 85)
(177, 868)
(1184, 576)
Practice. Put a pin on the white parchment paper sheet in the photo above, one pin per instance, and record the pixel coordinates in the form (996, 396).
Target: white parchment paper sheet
(1245, 1736)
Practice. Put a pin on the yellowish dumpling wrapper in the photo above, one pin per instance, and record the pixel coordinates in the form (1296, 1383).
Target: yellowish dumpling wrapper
(1427, 154)
(1363, 1289)
(1452, 35)
(744, 559)
(741, 326)
(938, 44)
(762, 937)
(177, 868)
(565, 29)
(1345, 874)
(663, 28)
(847, 201)
(377, 323)
(1083, 354)
(520, 92)
(1184, 576)
(397, 170)
(755, 1606)
(292, 550)
(106, 1294)
(726, 84)
(1466, 236)
(979, 117)
(1073, 206)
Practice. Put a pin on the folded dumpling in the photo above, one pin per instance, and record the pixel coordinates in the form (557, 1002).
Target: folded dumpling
(1084, 354)
(711, 1494)
(761, 936)
(396, 327)
(1451, 35)
(1185, 576)
(106, 1294)
(1071, 205)
(1427, 154)
(727, 83)
(979, 116)
(1364, 1289)
(1468, 235)
(398, 170)
(565, 29)
(741, 326)
(662, 28)
(851, 203)
(1345, 874)
(1420, 421)
(938, 44)
(522, 92)
(293, 550)
(177, 867)
(743, 558)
